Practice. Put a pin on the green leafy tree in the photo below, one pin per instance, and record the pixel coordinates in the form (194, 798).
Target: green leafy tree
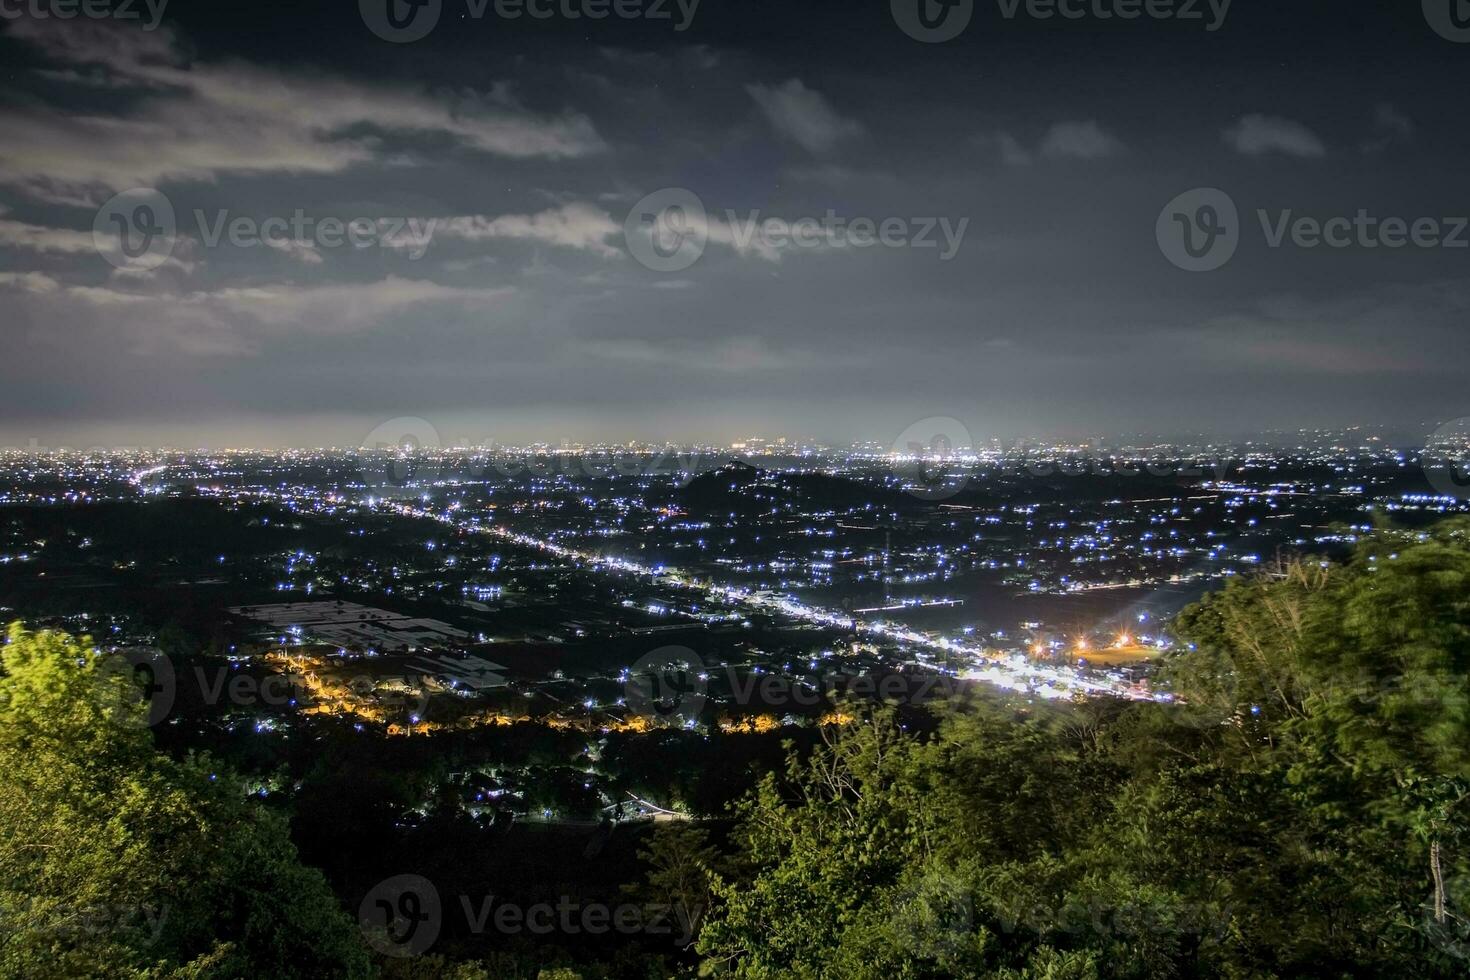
(116, 861)
(1359, 677)
(1286, 815)
(681, 864)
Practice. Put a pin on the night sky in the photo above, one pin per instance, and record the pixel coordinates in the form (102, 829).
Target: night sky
(1054, 144)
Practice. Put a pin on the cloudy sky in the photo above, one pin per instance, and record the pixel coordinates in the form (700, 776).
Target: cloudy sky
(1022, 168)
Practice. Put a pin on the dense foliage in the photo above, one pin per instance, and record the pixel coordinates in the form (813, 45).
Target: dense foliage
(1299, 809)
(117, 861)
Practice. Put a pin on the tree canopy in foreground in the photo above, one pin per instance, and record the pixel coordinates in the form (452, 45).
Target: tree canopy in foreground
(1298, 810)
(117, 861)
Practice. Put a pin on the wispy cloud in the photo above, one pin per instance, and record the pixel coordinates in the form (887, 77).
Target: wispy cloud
(241, 320)
(1080, 140)
(1390, 126)
(1067, 140)
(30, 282)
(37, 238)
(803, 115)
(188, 119)
(575, 225)
(1257, 135)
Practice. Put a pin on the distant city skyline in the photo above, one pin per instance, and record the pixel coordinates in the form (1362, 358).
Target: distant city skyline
(409, 431)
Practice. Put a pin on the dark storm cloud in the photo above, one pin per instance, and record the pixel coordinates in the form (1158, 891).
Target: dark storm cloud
(522, 146)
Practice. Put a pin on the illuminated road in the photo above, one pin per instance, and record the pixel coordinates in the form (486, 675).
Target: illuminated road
(1012, 672)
